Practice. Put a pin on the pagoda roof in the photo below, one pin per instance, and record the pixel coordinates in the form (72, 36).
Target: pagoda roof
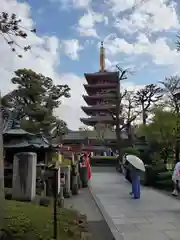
(108, 76)
(92, 100)
(114, 74)
(100, 85)
(98, 108)
(93, 88)
(94, 120)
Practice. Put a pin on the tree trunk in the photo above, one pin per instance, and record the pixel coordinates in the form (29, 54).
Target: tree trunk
(130, 134)
(118, 131)
(177, 151)
(177, 135)
(144, 117)
(1, 168)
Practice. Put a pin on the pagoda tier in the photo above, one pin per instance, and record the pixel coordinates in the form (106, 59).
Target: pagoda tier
(100, 99)
(102, 94)
(92, 110)
(92, 121)
(94, 88)
(102, 77)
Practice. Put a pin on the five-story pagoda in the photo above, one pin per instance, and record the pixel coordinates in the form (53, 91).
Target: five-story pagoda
(102, 92)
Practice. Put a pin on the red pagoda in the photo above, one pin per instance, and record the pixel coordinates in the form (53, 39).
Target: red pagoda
(102, 88)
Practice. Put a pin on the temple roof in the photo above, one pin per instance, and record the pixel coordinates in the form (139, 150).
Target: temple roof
(17, 132)
(92, 135)
(16, 137)
(26, 143)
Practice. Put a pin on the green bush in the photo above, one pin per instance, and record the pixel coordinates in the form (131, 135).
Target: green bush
(163, 176)
(165, 185)
(104, 157)
(44, 201)
(36, 222)
(152, 172)
(131, 150)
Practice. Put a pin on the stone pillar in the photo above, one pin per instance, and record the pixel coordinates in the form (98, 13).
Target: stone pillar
(67, 187)
(24, 176)
(59, 181)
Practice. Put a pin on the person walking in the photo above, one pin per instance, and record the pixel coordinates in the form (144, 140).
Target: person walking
(176, 180)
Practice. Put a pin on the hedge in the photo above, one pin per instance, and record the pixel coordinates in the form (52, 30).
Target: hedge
(156, 173)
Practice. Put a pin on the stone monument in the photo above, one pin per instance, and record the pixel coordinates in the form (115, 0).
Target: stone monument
(24, 176)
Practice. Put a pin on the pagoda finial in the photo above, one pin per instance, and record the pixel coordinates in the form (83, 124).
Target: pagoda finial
(102, 57)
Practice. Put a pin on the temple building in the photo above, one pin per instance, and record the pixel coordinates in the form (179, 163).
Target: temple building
(102, 88)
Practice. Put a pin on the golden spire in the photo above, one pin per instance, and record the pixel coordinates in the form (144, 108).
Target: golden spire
(102, 58)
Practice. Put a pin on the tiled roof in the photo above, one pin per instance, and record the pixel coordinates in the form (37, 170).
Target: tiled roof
(80, 135)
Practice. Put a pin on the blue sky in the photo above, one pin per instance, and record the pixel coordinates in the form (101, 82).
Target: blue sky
(52, 18)
(140, 37)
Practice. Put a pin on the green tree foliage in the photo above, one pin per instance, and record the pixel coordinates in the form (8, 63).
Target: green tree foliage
(36, 98)
(132, 151)
(161, 132)
(11, 28)
(172, 100)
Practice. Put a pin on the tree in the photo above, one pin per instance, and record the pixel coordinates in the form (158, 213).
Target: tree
(35, 99)
(129, 110)
(120, 124)
(11, 29)
(160, 133)
(1, 170)
(84, 131)
(178, 43)
(171, 87)
(146, 97)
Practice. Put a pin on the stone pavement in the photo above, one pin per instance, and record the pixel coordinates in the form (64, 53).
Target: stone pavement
(154, 216)
(85, 204)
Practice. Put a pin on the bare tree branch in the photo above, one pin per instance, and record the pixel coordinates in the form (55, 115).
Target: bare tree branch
(147, 96)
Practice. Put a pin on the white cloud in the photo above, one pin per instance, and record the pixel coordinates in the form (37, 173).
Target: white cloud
(150, 16)
(66, 4)
(71, 48)
(118, 6)
(110, 65)
(70, 110)
(159, 49)
(87, 23)
(44, 58)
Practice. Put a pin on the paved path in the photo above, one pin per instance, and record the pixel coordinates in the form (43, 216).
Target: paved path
(85, 204)
(155, 216)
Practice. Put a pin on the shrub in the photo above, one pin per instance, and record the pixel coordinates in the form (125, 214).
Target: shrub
(44, 201)
(36, 222)
(152, 172)
(165, 184)
(131, 150)
(8, 193)
(163, 176)
(105, 157)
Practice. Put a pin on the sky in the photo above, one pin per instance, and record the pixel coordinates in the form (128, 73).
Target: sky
(139, 35)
